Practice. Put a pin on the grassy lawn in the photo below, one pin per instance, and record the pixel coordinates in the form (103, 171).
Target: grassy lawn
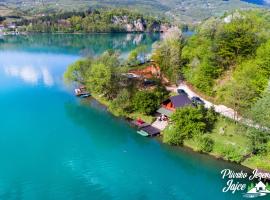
(229, 138)
(146, 118)
(228, 133)
(260, 162)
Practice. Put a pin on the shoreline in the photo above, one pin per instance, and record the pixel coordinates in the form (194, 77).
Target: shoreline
(159, 138)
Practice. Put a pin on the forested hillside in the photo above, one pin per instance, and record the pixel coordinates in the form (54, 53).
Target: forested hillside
(187, 11)
(95, 20)
(228, 58)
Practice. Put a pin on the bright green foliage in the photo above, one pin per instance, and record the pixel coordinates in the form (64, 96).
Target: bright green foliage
(263, 58)
(188, 122)
(161, 92)
(231, 153)
(267, 186)
(260, 115)
(222, 49)
(168, 55)
(99, 78)
(77, 72)
(235, 40)
(205, 143)
(260, 112)
(259, 141)
(251, 186)
(101, 75)
(173, 137)
(137, 56)
(145, 102)
(122, 104)
(248, 82)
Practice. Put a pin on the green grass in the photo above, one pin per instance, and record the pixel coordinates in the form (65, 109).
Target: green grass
(228, 133)
(146, 118)
(258, 162)
(230, 141)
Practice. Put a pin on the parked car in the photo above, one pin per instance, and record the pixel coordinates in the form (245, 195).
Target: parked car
(197, 101)
(181, 91)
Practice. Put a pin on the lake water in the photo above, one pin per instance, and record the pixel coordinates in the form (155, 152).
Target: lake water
(55, 146)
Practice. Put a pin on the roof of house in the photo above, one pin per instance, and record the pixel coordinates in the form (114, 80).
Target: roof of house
(164, 111)
(180, 100)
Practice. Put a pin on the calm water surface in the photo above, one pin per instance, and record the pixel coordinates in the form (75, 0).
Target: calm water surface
(54, 146)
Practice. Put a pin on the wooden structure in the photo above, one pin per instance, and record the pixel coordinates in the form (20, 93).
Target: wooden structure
(175, 102)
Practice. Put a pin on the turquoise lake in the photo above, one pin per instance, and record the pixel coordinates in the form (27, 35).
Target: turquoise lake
(55, 146)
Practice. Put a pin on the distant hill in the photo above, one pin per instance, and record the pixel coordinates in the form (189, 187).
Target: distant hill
(190, 11)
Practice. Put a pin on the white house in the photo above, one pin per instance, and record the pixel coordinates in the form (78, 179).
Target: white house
(260, 187)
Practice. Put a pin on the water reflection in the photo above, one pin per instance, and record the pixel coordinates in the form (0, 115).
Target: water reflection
(33, 68)
(30, 74)
(83, 44)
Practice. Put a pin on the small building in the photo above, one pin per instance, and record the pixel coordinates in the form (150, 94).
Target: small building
(174, 102)
(147, 72)
(260, 186)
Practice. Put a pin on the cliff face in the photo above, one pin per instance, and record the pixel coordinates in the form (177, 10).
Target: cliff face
(139, 25)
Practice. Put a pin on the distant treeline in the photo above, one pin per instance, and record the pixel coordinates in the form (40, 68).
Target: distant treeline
(97, 20)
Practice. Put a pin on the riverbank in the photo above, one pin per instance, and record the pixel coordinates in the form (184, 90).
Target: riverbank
(232, 135)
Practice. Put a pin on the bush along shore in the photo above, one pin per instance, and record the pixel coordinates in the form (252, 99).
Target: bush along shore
(226, 60)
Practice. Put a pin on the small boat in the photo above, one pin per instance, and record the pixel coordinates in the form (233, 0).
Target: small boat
(85, 95)
(81, 92)
(143, 133)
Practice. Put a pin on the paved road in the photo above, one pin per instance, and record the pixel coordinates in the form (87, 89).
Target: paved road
(223, 110)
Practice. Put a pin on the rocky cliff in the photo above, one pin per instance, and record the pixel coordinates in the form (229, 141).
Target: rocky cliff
(140, 24)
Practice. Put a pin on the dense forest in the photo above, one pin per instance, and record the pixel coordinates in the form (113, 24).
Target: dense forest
(95, 20)
(184, 11)
(227, 58)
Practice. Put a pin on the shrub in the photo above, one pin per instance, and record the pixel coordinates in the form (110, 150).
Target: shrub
(173, 137)
(205, 143)
(145, 102)
(231, 153)
(189, 122)
(121, 105)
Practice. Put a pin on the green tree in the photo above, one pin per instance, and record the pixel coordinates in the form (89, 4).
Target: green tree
(172, 136)
(168, 55)
(145, 102)
(189, 122)
(122, 103)
(235, 39)
(260, 111)
(77, 72)
(247, 84)
(100, 77)
(138, 55)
